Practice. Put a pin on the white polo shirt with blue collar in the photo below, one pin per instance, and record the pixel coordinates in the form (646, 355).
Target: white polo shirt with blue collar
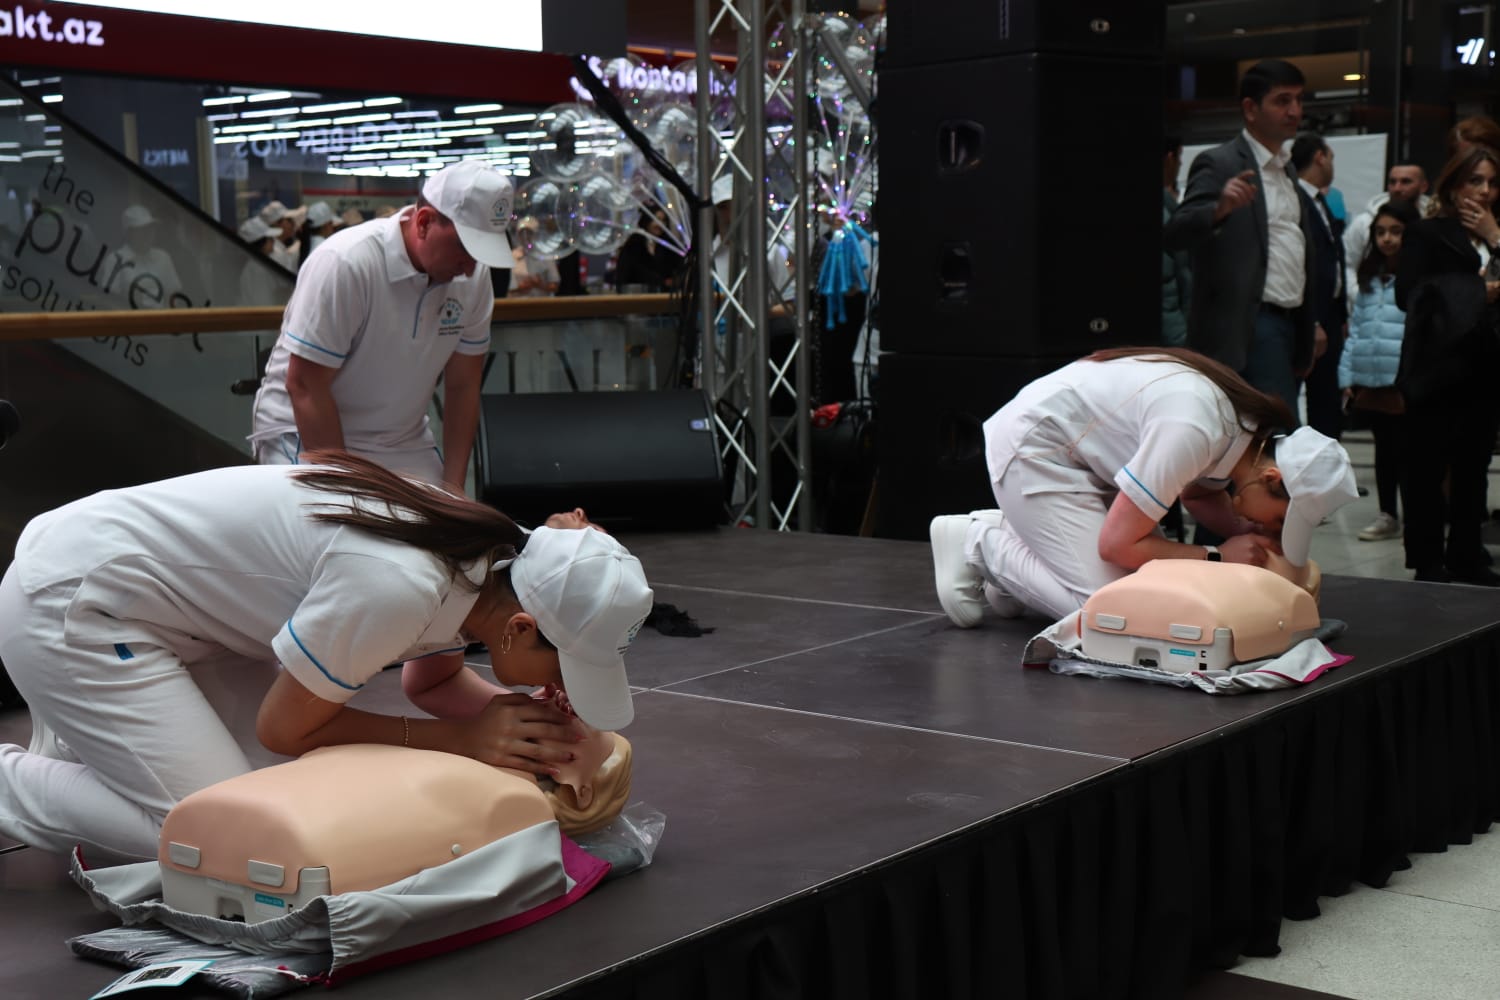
(1145, 428)
(361, 306)
(229, 559)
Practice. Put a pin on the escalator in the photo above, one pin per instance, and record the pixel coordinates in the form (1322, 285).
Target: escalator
(83, 228)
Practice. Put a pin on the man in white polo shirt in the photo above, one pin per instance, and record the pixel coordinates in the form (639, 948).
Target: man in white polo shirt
(380, 311)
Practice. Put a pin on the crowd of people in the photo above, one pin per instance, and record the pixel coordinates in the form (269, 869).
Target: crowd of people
(1389, 319)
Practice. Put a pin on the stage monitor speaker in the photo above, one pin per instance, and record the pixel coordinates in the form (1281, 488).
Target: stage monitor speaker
(630, 459)
(1020, 206)
(930, 440)
(920, 35)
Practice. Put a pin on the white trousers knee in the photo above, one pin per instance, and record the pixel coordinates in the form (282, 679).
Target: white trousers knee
(143, 732)
(1045, 552)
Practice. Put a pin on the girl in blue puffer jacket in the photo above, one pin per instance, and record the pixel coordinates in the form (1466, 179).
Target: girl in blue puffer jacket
(1372, 353)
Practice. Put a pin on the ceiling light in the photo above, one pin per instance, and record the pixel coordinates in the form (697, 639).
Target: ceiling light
(271, 95)
(339, 106)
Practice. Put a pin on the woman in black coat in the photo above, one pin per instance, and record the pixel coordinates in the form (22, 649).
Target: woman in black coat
(1449, 284)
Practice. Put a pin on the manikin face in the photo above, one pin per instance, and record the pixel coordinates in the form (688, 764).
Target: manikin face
(1276, 118)
(1405, 183)
(1387, 233)
(574, 518)
(1480, 187)
(439, 253)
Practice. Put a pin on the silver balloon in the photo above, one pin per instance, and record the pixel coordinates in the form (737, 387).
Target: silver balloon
(673, 131)
(575, 134)
(604, 214)
(545, 221)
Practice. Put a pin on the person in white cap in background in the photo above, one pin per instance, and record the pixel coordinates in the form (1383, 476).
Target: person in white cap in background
(379, 313)
(531, 277)
(1084, 463)
(319, 225)
(288, 248)
(122, 612)
(139, 255)
(258, 284)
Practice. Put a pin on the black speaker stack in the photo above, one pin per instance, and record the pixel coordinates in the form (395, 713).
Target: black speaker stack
(1020, 221)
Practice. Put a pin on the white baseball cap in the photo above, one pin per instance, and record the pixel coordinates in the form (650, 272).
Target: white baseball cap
(478, 199)
(319, 213)
(254, 229)
(136, 215)
(589, 597)
(272, 212)
(1319, 479)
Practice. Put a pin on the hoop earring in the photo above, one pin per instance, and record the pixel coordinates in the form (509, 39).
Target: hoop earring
(505, 644)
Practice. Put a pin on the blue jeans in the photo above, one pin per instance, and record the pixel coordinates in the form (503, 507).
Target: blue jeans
(1268, 363)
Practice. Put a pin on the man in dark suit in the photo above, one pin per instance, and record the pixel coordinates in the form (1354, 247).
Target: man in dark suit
(1313, 160)
(1248, 228)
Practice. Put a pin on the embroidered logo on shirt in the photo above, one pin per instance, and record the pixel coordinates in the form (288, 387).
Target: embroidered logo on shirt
(450, 316)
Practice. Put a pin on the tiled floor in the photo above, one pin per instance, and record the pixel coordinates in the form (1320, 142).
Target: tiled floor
(1431, 931)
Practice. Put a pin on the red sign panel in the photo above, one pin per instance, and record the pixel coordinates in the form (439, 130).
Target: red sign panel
(103, 40)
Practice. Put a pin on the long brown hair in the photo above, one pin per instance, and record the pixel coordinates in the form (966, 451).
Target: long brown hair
(455, 529)
(1457, 173)
(1268, 414)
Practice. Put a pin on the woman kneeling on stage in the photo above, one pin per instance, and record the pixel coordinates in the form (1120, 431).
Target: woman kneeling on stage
(1085, 461)
(116, 604)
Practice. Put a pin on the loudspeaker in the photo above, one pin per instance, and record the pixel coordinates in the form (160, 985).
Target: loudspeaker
(930, 445)
(1026, 214)
(918, 35)
(630, 459)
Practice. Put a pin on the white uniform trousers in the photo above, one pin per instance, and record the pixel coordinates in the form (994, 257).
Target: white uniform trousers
(142, 731)
(1045, 552)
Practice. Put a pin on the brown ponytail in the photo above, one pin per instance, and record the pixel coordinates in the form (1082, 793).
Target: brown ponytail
(455, 529)
(1259, 412)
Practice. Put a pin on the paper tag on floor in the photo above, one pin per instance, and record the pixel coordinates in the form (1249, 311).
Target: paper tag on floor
(160, 974)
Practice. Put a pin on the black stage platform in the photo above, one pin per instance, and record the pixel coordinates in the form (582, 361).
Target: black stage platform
(863, 801)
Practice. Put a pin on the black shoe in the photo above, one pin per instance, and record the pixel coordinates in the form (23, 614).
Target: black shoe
(1433, 576)
(1481, 577)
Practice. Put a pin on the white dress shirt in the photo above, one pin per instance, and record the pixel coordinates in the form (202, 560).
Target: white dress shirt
(1287, 250)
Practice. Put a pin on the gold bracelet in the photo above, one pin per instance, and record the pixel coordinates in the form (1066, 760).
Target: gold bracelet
(405, 731)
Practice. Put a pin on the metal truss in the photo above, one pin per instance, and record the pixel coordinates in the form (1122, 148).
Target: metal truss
(765, 284)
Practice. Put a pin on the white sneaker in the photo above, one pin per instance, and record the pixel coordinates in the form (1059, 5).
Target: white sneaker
(958, 583)
(1384, 526)
(998, 598)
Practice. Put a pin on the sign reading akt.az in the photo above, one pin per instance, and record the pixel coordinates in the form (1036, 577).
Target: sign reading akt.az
(41, 26)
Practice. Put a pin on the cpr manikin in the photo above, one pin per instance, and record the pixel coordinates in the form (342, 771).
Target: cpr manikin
(1185, 615)
(358, 817)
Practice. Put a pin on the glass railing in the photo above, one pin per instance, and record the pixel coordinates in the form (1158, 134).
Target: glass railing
(82, 229)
